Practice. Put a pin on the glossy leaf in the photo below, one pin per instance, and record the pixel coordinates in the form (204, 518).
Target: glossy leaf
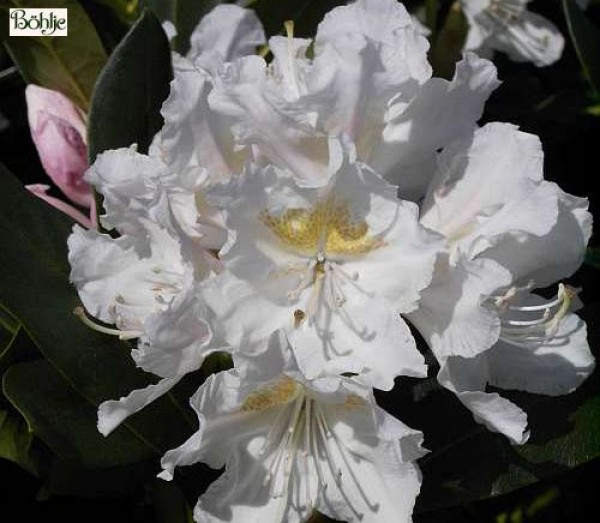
(131, 89)
(586, 40)
(34, 284)
(7, 321)
(18, 349)
(69, 64)
(63, 420)
(16, 442)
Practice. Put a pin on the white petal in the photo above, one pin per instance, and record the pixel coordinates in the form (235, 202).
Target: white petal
(193, 136)
(556, 367)
(554, 256)
(373, 452)
(116, 284)
(466, 377)
(216, 404)
(128, 181)
(228, 30)
(451, 314)
(440, 112)
(246, 318)
(386, 24)
(365, 53)
(364, 334)
(532, 38)
(282, 131)
(177, 340)
(488, 187)
(113, 412)
(404, 265)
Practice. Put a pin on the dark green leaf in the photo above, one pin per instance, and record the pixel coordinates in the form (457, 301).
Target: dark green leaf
(34, 284)
(131, 89)
(586, 39)
(20, 348)
(69, 64)
(63, 420)
(16, 442)
(447, 45)
(184, 15)
(7, 321)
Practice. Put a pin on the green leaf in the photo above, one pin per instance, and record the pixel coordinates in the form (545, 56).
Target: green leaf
(447, 44)
(544, 457)
(8, 321)
(586, 40)
(131, 89)
(16, 442)
(184, 15)
(19, 348)
(34, 284)
(64, 420)
(69, 64)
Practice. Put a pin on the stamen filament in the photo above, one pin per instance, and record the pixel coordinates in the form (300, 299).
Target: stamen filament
(122, 335)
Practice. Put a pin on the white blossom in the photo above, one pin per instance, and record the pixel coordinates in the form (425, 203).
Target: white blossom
(369, 79)
(294, 446)
(508, 26)
(334, 266)
(509, 232)
(144, 281)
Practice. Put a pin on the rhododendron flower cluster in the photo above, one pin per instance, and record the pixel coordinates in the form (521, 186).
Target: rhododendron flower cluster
(300, 212)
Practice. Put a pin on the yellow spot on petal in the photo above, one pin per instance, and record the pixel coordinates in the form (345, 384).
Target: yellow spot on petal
(327, 228)
(354, 402)
(281, 392)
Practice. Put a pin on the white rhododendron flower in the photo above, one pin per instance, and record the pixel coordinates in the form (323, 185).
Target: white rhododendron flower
(367, 77)
(291, 446)
(508, 26)
(509, 232)
(333, 265)
(143, 281)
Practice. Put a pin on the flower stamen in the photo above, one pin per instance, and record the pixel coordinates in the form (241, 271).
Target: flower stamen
(121, 334)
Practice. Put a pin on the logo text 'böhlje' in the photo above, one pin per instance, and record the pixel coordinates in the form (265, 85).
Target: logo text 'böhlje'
(37, 22)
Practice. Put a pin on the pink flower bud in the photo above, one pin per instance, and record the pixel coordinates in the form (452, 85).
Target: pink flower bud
(41, 190)
(58, 131)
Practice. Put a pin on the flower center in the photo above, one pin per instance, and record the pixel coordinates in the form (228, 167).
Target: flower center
(327, 229)
(327, 234)
(302, 454)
